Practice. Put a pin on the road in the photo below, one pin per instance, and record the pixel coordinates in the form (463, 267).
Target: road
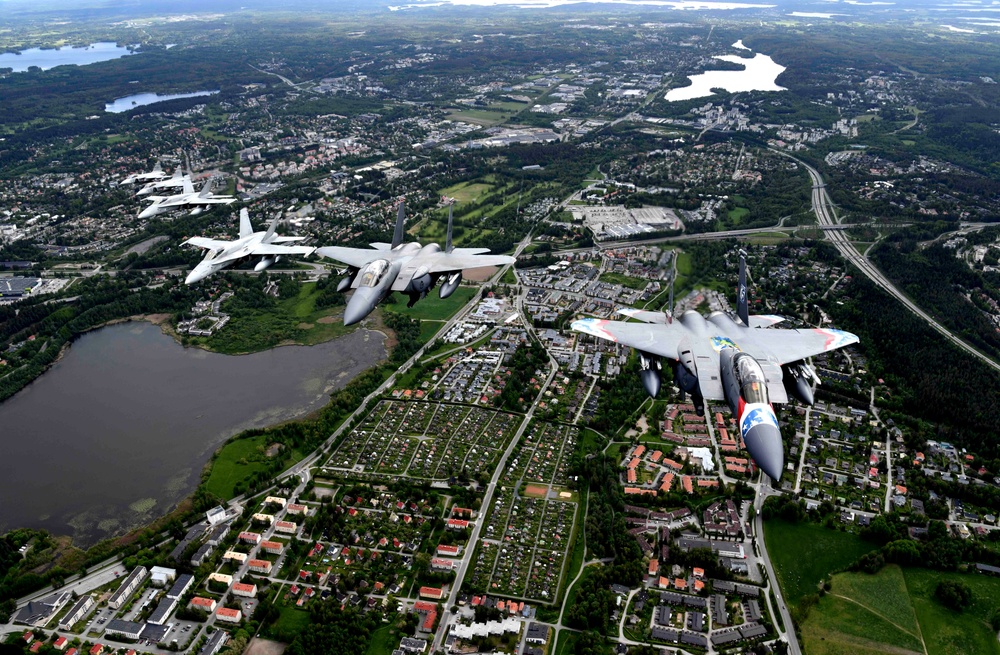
(827, 217)
(763, 491)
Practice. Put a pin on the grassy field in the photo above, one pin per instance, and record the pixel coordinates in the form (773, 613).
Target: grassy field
(803, 554)
(567, 643)
(292, 621)
(234, 464)
(624, 280)
(384, 641)
(466, 192)
(950, 633)
(895, 611)
(293, 320)
(432, 308)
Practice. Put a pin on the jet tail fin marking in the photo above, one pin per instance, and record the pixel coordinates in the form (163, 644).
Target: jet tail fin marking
(742, 310)
(397, 235)
(246, 229)
(448, 246)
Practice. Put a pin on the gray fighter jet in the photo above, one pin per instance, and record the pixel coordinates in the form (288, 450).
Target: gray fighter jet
(175, 181)
(199, 200)
(142, 178)
(223, 254)
(408, 267)
(741, 360)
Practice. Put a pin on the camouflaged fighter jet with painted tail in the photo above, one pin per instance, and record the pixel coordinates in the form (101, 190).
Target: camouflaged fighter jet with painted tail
(408, 267)
(742, 360)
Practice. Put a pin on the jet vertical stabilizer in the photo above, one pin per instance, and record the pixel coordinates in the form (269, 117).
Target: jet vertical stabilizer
(397, 235)
(741, 292)
(246, 229)
(270, 231)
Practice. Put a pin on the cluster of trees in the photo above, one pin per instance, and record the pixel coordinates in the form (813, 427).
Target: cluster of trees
(931, 379)
(953, 594)
(518, 393)
(407, 332)
(334, 631)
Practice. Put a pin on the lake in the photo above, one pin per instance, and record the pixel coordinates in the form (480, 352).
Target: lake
(140, 99)
(117, 432)
(759, 74)
(46, 59)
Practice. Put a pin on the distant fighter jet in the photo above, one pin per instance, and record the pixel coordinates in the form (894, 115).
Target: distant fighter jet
(175, 181)
(736, 359)
(200, 200)
(141, 178)
(407, 267)
(223, 254)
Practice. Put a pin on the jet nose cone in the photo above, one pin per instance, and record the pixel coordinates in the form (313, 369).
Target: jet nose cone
(197, 275)
(360, 305)
(763, 442)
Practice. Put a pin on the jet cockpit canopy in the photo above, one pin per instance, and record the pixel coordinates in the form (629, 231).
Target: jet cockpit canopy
(750, 376)
(373, 273)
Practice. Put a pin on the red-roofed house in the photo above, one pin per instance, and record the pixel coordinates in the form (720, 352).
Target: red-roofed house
(245, 590)
(654, 567)
(448, 551)
(27, 636)
(655, 456)
(457, 524)
(205, 604)
(664, 582)
(72, 651)
(432, 592)
(686, 483)
(35, 647)
(668, 481)
(273, 547)
(680, 583)
(60, 643)
(97, 649)
(229, 615)
(259, 566)
(286, 526)
(640, 450)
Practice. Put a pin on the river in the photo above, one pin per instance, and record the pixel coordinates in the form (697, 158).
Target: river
(117, 431)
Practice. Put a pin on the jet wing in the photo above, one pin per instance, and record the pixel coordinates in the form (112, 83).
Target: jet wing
(381, 245)
(356, 257)
(788, 346)
(765, 320)
(644, 315)
(208, 244)
(661, 340)
(449, 262)
(272, 249)
(287, 239)
(211, 200)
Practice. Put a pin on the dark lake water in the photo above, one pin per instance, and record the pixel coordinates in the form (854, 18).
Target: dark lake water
(117, 432)
(46, 59)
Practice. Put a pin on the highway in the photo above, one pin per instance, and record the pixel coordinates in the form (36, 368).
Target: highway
(827, 217)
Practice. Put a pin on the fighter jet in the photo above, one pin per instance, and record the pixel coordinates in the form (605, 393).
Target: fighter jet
(408, 267)
(223, 254)
(141, 178)
(201, 200)
(175, 181)
(741, 360)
